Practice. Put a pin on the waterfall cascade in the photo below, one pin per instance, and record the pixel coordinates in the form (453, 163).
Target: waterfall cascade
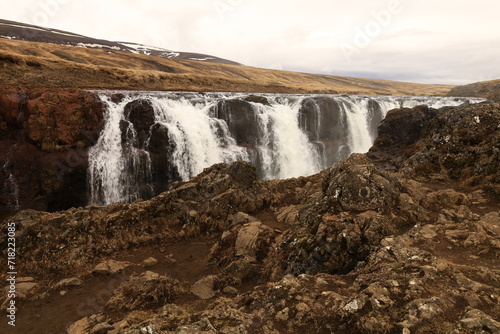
(151, 139)
(11, 187)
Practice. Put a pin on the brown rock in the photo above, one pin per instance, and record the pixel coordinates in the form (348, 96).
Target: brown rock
(288, 215)
(47, 137)
(68, 282)
(13, 107)
(149, 262)
(110, 267)
(355, 184)
(26, 289)
(79, 327)
(246, 242)
(204, 288)
(59, 119)
(241, 218)
(101, 328)
(242, 269)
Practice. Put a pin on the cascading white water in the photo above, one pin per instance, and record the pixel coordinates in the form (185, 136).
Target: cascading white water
(115, 165)
(12, 189)
(118, 169)
(285, 150)
(194, 133)
(106, 161)
(11, 186)
(196, 137)
(359, 139)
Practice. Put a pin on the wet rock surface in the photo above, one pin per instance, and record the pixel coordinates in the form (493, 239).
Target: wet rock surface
(377, 243)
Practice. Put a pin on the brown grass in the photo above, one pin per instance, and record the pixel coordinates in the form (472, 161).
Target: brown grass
(140, 294)
(34, 65)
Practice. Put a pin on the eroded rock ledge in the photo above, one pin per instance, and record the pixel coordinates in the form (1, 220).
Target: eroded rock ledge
(405, 239)
(44, 141)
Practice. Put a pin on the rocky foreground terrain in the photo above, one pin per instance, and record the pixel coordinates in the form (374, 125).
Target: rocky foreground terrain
(405, 239)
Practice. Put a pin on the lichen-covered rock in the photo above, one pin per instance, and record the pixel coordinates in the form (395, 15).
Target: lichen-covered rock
(475, 321)
(79, 327)
(249, 239)
(460, 143)
(354, 184)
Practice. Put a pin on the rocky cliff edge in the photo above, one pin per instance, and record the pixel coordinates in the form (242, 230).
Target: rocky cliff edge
(405, 239)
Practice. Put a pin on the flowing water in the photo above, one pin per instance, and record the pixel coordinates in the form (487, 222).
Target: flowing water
(283, 135)
(11, 187)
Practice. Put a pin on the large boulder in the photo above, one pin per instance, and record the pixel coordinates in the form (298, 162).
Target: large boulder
(354, 184)
(403, 127)
(460, 143)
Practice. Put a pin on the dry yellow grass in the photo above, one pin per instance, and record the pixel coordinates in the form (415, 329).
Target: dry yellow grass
(488, 89)
(34, 65)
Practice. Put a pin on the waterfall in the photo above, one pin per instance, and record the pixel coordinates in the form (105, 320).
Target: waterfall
(200, 141)
(284, 149)
(359, 139)
(117, 168)
(11, 187)
(151, 139)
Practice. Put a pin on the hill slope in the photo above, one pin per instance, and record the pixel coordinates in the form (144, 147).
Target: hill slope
(487, 89)
(34, 65)
(28, 32)
(34, 57)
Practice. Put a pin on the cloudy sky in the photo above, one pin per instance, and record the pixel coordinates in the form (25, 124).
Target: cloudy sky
(428, 41)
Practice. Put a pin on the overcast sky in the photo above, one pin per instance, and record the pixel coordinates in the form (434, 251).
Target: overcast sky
(428, 41)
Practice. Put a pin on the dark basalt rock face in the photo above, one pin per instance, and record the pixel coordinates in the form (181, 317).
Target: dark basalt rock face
(461, 143)
(356, 209)
(323, 121)
(142, 116)
(44, 141)
(375, 116)
(404, 127)
(241, 118)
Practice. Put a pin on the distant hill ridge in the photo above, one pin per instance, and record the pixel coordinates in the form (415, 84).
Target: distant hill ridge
(37, 57)
(487, 89)
(32, 33)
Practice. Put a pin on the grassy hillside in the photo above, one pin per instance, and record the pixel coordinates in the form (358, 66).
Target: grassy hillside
(487, 89)
(31, 64)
